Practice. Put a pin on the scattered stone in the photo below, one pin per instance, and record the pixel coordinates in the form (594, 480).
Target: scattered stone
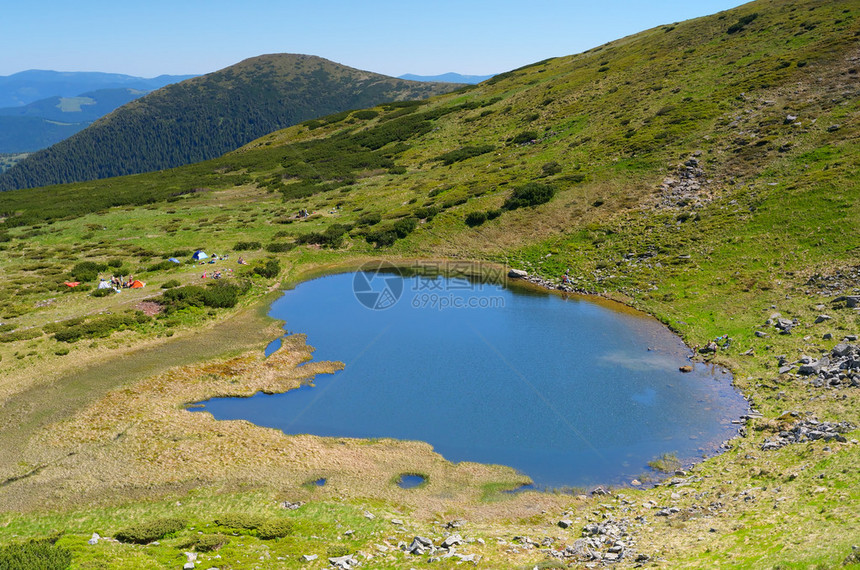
(396, 521)
(821, 319)
(309, 557)
(188, 566)
(565, 523)
(369, 515)
(808, 430)
(517, 274)
(827, 336)
(95, 539)
(291, 506)
(761, 334)
(686, 368)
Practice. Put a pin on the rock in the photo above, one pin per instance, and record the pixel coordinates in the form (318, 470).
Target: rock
(565, 523)
(188, 566)
(369, 515)
(344, 562)
(517, 274)
(832, 128)
(686, 368)
(420, 545)
(761, 334)
(821, 319)
(642, 558)
(396, 521)
(309, 557)
(827, 336)
(452, 540)
(191, 556)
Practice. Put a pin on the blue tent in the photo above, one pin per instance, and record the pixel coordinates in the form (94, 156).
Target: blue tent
(199, 254)
(174, 260)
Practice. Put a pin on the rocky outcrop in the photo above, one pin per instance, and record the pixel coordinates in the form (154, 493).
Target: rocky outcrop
(808, 429)
(840, 368)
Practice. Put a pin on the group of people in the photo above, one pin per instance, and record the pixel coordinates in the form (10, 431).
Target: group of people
(117, 281)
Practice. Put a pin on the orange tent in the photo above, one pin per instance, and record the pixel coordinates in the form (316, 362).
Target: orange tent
(136, 284)
(71, 283)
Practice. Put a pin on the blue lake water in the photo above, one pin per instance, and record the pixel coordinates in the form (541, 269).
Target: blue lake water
(570, 392)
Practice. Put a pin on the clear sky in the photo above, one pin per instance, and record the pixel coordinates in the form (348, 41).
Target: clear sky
(476, 37)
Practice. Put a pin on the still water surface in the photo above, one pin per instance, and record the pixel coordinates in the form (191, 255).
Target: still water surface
(568, 391)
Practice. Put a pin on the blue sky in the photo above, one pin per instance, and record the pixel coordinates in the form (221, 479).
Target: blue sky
(394, 37)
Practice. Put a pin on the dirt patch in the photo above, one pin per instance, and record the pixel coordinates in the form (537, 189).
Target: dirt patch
(149, 308)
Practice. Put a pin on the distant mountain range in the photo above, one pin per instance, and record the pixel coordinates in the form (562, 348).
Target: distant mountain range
(206, 116)
(28, 86)
(38, 125)
(448, 78)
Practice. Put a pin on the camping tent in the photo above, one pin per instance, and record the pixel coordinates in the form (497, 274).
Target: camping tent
(136, 284)
(104, 284)
(199, 254)
(173, 259)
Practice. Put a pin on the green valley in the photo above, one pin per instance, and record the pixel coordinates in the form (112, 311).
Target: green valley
(704, 172)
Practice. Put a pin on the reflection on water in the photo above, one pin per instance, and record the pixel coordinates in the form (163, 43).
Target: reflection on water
(570, 392)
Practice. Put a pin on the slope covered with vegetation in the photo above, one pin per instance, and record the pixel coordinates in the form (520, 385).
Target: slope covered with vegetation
(209, 115)
(703, 171)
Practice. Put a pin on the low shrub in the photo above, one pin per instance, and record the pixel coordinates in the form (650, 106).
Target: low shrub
(426, 213)
(493, 214)
(103, 292)
(474, 219)
(531, 194)
(337, 550)
(86, 270)
(145, 533)
(170, 284)
(26, 334)
(332, 236)
(524, 137)
(97, 327)
(464, 153)
(369, 219)
(240, 521)
(275, 528)
(269, 270)
(279, 246)
(247, 246)
(206, 542)
(405, 227)
(35, 555)
(161, 266)
(366, 114)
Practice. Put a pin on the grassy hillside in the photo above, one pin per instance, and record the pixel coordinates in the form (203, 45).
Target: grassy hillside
(703, 171)
(209, 115)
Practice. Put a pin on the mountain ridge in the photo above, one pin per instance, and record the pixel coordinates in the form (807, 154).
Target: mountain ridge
(174, 125)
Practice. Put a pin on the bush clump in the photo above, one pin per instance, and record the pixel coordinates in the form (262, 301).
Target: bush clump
(217, 295)
(104, 292)
(35, 555)
(332, 236)
(170, 284)
(474, 219)
(206, 542)
(464, 153)
(247, 246)
(26, 334)
(240, 521)
(97, 327)
(524, 137)
(269, 270)
(531, 194)
(275, 528)
(145, 533)
(337, 550)
(86, 270)
(742, 23)
(279, 246)
(369, 219)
